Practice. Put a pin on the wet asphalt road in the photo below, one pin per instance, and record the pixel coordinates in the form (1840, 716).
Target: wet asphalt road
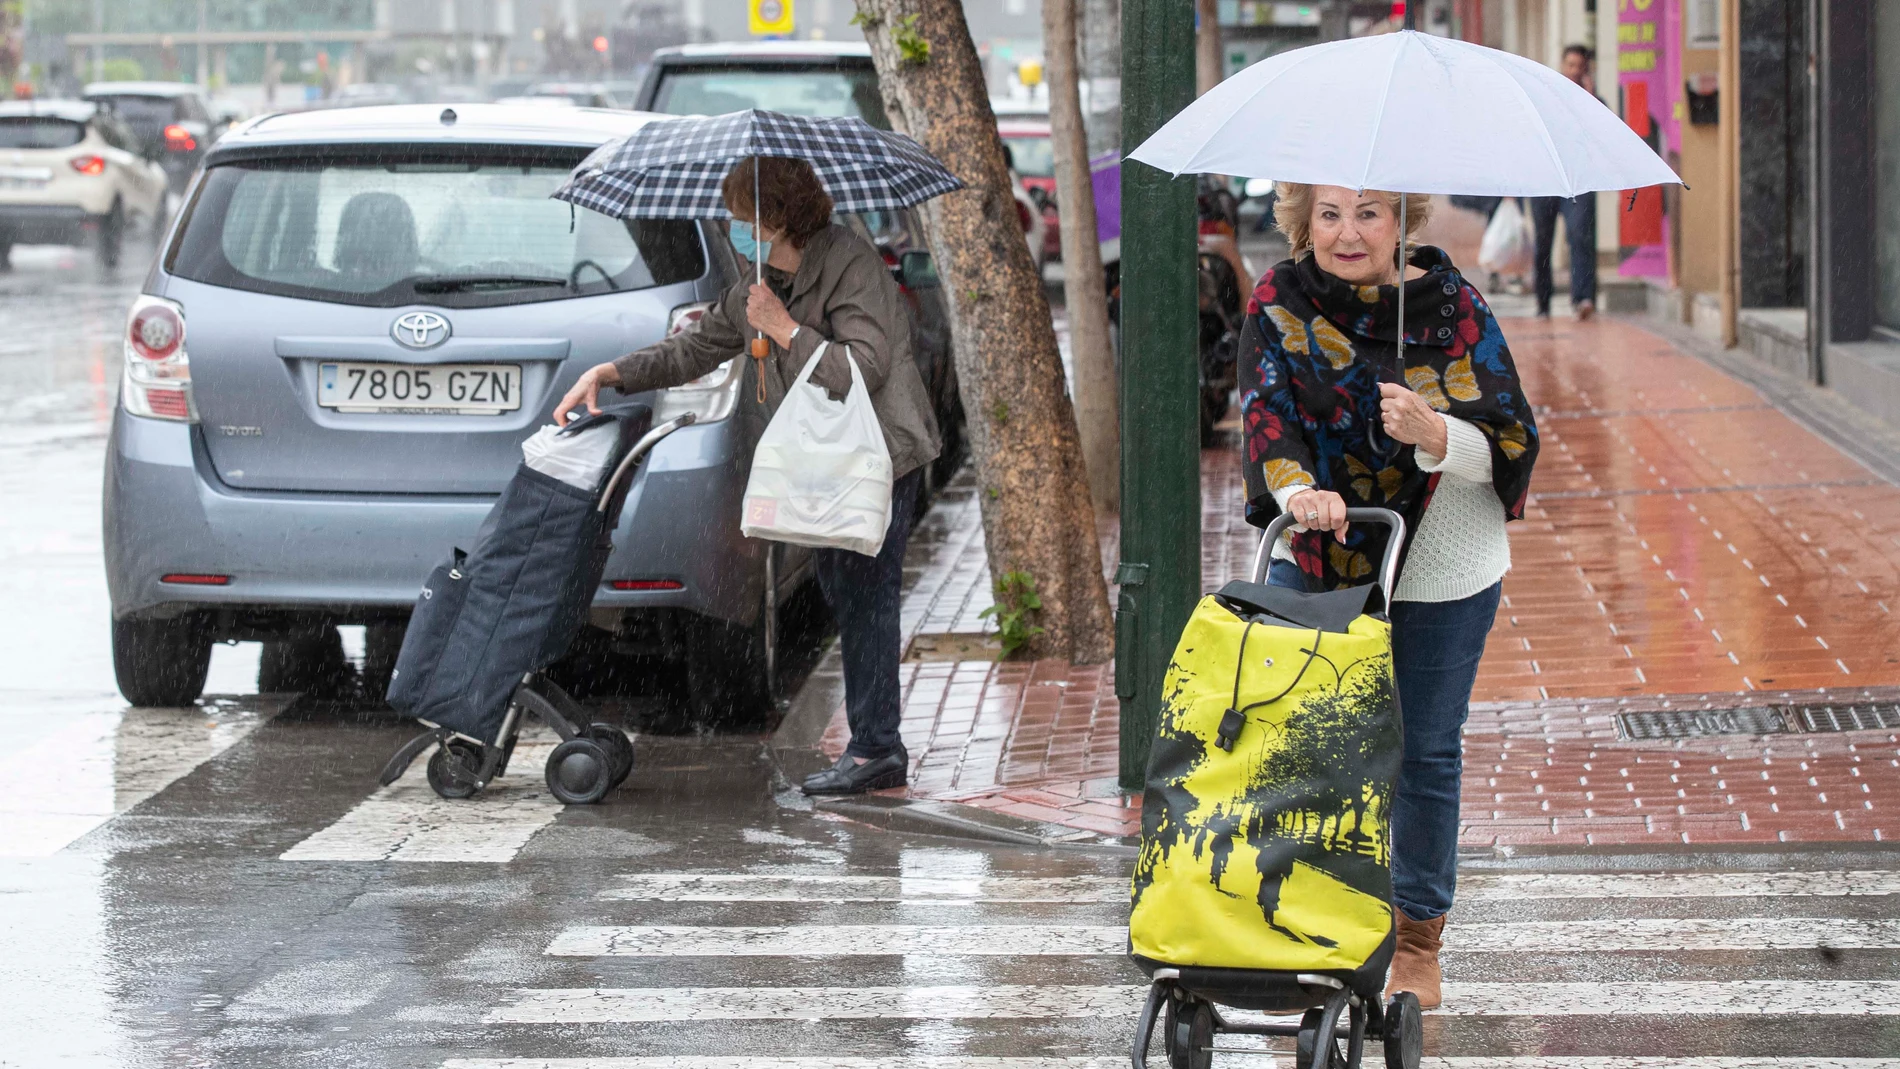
(226, 885)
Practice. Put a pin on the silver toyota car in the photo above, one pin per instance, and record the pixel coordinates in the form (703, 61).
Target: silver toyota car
(357, 319)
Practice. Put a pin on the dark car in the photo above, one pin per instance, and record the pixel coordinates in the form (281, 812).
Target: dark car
(173, 123)
(825, 78)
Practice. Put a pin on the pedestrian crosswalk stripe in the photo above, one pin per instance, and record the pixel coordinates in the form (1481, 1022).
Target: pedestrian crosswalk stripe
(840, 939)
(630, 1005)
(407, 821)
(1672, 999)
(947, 890)
(953, 1061)
(1650, 934)
(1498, 887)
(1478, 887)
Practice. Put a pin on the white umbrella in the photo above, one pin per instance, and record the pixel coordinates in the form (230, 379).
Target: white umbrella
(1407, 112)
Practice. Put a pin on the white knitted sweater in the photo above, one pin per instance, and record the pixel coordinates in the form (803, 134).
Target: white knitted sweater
(1460, 547)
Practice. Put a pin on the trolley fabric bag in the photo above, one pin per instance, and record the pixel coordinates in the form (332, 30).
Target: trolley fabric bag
(1265, 843)
(821, 473)
(512, 604)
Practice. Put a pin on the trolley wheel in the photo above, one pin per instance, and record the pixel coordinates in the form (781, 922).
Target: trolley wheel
(1404, 1032)
(1190, 1032)
(460, 757)
(580, 772)
(1317, 1043)
(619, 749)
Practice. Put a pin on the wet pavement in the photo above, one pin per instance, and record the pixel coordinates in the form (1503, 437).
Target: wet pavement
(226, 885)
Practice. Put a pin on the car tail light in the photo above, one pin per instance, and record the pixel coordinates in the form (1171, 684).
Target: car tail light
(179, 139)
(647, 584)
(709, 397)
(157, 382)
(195, 579)
(1022, 216)
(88, 164)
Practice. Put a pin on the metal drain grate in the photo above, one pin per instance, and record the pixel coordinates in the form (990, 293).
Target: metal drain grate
(1759, 720)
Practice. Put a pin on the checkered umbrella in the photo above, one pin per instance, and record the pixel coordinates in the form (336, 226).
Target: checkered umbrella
(672, 168)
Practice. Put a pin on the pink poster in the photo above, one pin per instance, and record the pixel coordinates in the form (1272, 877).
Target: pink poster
(1648, 66)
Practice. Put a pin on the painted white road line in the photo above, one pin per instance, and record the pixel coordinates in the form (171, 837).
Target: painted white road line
(407, 821)
(1673, 933)
(1648, 934)
(1505, 887)
(910, 890)
(895, 1061)
(102, 762)
(1674, 999)
(928, 1061)
(583, 1005)
(836, 940)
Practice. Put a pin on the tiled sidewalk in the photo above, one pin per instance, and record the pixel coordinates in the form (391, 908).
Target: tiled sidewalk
(1686, 545)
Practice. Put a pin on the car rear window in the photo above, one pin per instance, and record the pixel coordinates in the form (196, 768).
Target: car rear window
(793, 90)
(40, 132)
(459, 233)
(1034, 156)
(147, 115)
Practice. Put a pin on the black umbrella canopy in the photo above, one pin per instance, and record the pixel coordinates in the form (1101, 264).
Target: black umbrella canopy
(672, 168)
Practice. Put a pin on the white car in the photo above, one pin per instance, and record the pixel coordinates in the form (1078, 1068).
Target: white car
(72, 174)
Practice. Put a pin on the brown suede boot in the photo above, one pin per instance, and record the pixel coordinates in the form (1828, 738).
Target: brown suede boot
(1415, 962)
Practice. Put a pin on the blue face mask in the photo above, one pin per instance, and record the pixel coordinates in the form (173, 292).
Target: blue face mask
(749, 247)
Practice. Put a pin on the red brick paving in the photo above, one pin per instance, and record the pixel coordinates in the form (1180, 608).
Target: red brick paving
(1685, 545)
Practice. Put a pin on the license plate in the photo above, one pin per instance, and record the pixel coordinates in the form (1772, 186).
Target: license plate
(444, 389)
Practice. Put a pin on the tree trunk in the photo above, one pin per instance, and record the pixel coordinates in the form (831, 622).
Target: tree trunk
(1100, 29)
(1208, 70)
(1097, 399)
(1034, 487)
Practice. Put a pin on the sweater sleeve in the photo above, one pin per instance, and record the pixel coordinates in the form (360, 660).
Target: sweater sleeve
(1467, 453)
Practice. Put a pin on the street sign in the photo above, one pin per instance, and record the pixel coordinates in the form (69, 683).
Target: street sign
(770, 18)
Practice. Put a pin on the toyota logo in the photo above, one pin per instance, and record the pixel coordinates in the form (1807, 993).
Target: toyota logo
(420, 330)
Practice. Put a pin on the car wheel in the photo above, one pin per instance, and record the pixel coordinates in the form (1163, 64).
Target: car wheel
(727, 674)
(313, 666)
(381, 643)
(112, 235)
(161, 662)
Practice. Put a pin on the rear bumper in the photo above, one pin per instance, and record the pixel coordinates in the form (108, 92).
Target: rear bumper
(45, 224)
(355, 557)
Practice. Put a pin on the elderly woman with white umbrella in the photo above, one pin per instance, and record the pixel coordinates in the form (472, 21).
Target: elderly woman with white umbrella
(1349, 402)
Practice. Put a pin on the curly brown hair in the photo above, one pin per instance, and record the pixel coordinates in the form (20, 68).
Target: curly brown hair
(795, 201)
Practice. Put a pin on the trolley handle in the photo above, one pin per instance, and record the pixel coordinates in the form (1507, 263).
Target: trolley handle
(1388, 568)
(640, 449)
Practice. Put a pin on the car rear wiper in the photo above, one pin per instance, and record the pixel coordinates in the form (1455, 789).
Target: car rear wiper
(452, 283)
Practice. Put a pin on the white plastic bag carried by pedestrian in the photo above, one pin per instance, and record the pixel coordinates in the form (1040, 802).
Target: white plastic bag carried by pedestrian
(1506, 249)
(577, 459)
(821, 475)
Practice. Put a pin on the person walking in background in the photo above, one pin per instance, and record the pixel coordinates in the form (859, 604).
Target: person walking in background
(1580, 220)
(1326, 429)
(823, 284)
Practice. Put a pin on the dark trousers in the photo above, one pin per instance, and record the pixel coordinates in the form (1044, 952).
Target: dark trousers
(866, 595)
(1436, 646)
(1580, 223)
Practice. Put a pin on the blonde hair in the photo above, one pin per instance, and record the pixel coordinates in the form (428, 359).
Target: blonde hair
(1293, 213)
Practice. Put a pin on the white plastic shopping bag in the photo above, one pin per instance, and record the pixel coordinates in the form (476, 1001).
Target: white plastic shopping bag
(821, 475)
(1506, 248)
(577, 459)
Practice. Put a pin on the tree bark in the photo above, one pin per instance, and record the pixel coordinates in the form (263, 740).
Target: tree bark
(1208, 70)
(1097, 399)
(1037, 517)
(1100, 29)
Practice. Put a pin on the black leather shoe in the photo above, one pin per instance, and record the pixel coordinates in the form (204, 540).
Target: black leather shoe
(849, 777)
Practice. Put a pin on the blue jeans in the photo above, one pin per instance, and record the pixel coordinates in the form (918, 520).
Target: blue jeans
(1436, 646)
(866, 595)
(1580, 225)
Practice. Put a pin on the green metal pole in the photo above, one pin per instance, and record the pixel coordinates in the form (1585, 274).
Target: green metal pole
(1160, 573)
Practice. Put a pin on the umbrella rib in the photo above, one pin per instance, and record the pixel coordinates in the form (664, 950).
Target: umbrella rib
(1543, 129)
(1385, 94)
